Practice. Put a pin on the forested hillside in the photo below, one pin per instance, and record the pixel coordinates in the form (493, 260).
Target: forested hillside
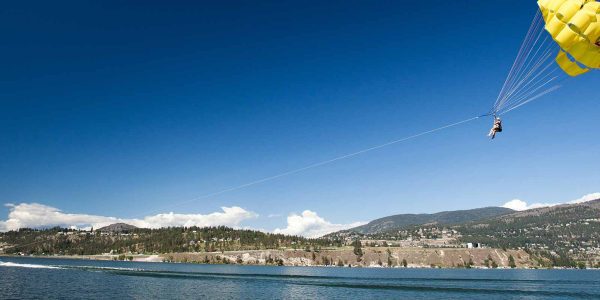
(180, 239)
(559, 232)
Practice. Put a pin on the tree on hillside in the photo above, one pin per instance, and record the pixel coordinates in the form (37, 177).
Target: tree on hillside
(511, 262)
(470, 263)
(358, 250)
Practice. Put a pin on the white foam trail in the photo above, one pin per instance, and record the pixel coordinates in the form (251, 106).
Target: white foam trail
(107, 268)
(11, 264)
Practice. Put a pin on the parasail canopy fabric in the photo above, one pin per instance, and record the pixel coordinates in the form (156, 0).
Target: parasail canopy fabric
(575, 26)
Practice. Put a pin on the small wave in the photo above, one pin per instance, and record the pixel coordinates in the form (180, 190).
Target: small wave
(11, 264)
(97, 268)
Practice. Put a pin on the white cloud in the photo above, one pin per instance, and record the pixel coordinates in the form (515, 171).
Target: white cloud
(586, 198)
(309, 224)
(515, 204)
(35, 215)
(519, 205)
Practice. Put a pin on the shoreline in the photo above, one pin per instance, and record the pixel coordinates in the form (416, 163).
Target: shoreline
(92, 257)
(102, 257)
(415, 258)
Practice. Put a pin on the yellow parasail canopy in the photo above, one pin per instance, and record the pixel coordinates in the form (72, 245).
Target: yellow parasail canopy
(575, 27)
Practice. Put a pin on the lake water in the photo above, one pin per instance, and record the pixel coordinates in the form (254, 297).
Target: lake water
(26, 278)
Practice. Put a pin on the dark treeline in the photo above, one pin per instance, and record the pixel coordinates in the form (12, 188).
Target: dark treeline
(150, 241)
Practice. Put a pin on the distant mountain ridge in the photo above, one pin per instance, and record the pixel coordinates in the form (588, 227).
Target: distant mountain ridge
(539, 217)
(117, 227)
(445, 217)
(585, 208)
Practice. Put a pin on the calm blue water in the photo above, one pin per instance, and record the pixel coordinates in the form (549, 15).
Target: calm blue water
(26, 278)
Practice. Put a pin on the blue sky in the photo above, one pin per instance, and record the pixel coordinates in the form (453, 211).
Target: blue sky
(120, 109)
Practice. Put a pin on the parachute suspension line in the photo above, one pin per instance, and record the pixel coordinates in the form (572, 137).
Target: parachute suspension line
(532, 82)
(521, 60)
(532, 71)
(519, 57)
(536, 80)
(548, 91)
(526, 61)
(526, 79)
(546, 47)
(526, 96)
(537, 61)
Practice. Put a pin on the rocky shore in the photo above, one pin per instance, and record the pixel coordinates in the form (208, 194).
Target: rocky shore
(371, 257)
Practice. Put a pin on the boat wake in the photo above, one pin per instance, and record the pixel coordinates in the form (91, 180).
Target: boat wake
(11, 264)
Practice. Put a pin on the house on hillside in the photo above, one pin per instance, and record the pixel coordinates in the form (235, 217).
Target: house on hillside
(474, 245)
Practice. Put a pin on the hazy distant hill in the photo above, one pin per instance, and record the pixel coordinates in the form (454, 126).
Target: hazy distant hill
(117, 227)
(445, 217)
(557, 227)
(544, 216)
(590, 209)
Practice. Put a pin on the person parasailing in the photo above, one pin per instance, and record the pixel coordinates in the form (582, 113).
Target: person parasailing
(569, 28)
(496, 128)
